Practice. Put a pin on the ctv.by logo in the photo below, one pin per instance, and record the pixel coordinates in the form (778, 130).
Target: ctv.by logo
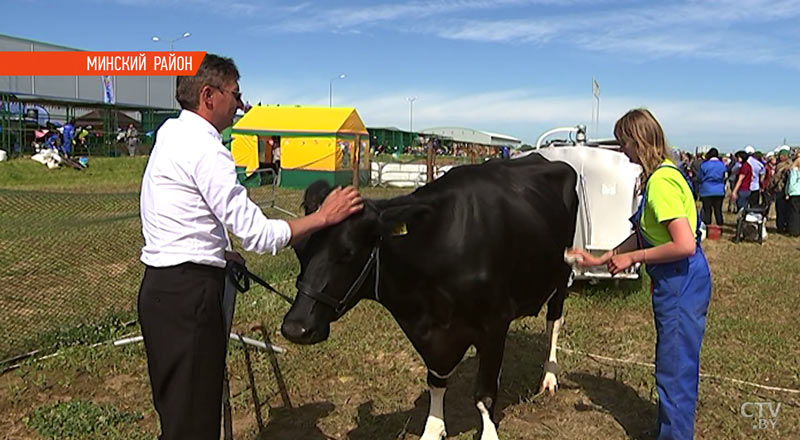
(764, 414)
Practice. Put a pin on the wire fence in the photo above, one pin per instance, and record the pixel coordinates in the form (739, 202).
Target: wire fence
(68, 266)
(70, 269)
(29, 124)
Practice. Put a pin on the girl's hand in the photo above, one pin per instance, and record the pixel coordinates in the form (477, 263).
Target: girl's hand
(620, 262)
(585, 259)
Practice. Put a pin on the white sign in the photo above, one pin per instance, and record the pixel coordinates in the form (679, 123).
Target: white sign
(764, 414)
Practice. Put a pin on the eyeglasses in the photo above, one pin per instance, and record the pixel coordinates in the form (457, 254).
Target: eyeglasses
(236, 93)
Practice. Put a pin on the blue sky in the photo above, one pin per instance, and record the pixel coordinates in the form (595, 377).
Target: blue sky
(720, 72)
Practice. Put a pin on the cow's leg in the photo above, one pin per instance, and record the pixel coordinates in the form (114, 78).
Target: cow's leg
(555, 318)
(490, 352)
(434, 426)
(442, 354)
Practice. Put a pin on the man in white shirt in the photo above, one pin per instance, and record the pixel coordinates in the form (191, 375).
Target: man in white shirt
(190, 196)
(758, 173)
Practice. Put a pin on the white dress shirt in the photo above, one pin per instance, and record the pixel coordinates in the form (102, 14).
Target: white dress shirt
(190, 195)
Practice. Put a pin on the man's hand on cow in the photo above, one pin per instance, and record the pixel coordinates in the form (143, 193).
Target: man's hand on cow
(585, 259)
(234, 256)
(340, 204)
(620, 262)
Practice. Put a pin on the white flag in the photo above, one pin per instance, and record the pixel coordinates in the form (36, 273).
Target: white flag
(595, 88)
(108, 90)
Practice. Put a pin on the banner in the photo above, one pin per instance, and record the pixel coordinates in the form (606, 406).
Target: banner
(108, 89)
(100, 63)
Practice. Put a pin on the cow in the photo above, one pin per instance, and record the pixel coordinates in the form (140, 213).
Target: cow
(454, 262)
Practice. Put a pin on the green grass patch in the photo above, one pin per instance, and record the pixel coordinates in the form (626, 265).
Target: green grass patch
(84, 420)
(104, 174)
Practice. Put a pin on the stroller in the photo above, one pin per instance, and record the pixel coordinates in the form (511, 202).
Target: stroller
(750, 224)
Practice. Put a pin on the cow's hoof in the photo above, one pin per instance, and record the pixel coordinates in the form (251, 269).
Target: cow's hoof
(434, 429)
(489, 433)
(549, 384)
(429, 436)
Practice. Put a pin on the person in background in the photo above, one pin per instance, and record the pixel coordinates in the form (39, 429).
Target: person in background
(694, 174)
(68, 134)
(733, 175)
(81, 133)
(711, 182)
(667, 241)
(793, 197)
(770, 164)
(758, 173)
(276, 155)
(741, 191)
(52, 138)
(778, 189)
(131, 138)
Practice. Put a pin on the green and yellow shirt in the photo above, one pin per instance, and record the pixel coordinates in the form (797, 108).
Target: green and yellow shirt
(668, 197)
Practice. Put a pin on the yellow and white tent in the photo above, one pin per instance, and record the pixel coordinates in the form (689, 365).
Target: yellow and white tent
(315, 142)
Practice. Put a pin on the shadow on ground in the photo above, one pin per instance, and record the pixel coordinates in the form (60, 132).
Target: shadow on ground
(636, 415)
(521, 373)
(297, 423)
(524, 356)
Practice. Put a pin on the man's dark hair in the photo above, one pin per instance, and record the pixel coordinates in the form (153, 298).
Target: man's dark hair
(712, 153)
(214, 71)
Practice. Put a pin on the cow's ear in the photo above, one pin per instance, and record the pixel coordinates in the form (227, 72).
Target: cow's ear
(314, 196)
(394, 220)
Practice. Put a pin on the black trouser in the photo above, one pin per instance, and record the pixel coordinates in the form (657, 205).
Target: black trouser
(180, 312)
(712, 203)
(767, 199)
(755, 198)
(781, 213)
(794, 216)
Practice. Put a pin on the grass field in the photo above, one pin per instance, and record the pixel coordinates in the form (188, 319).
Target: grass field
(366, 381)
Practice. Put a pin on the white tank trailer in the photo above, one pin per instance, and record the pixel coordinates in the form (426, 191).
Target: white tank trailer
(606, 188)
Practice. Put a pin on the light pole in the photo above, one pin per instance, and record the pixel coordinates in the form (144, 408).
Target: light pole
(330, 89)
(172, 42)
(156, 39)
(411, 100)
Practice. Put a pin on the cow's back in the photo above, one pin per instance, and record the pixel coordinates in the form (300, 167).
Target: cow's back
(498, 231)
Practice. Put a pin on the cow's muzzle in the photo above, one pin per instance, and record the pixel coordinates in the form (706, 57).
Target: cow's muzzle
(298, 333)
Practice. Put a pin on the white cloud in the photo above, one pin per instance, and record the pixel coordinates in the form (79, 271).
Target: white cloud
(696, 29)
(736, 31)
(348, 16)
(228, 7)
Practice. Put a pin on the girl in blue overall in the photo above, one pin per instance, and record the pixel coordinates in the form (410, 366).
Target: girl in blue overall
(666, 240)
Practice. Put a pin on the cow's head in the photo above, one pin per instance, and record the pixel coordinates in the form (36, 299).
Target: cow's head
(338, 264)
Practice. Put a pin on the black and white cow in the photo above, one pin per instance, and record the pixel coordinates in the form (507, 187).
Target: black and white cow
(454, 262)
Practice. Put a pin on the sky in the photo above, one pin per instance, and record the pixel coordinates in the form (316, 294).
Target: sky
(714, 72)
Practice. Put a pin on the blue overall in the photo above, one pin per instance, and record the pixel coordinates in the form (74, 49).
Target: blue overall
(681, 292)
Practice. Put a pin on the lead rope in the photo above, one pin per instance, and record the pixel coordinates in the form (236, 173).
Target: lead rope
(378, 269)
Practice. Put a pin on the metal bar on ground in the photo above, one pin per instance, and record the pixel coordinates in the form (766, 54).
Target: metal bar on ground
(276, 369)
(266, 346)
(254, 392)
